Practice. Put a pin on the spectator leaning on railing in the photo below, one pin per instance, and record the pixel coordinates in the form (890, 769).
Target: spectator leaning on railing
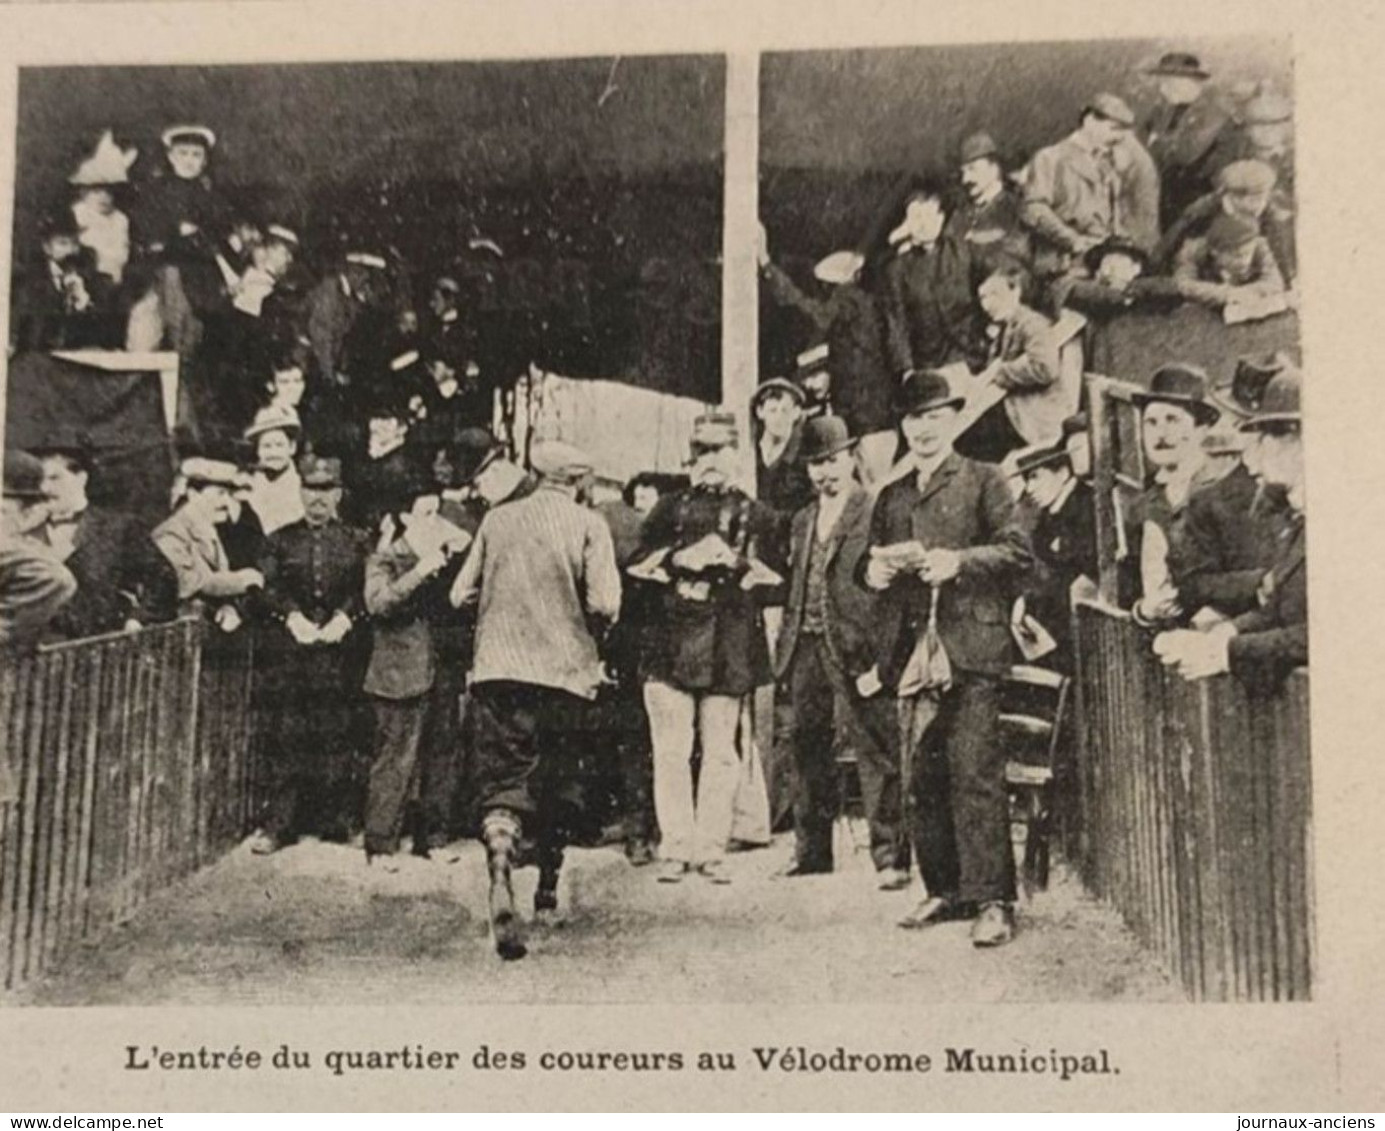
(34, 585)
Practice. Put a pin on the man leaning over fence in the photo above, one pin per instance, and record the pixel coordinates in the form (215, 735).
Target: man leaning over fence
(1262, 646)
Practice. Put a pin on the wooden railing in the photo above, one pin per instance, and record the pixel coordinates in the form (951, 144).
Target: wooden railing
(131, 759)
(1196, 815)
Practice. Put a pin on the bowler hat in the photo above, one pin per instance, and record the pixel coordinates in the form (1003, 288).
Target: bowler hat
(1111, 107)
(320, 471)
(1282, 401)
(1177, 63)
(23, 476)
(1115, 245)
(1042, 455)
(978, 145)
(773, 387)
(824, 437)
(1183, 385)
(1245, 392)
(923, 390)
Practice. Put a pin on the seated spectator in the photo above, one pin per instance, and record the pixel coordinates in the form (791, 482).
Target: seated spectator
(188, 539)
(929, 304)
(1023, 363)
(991, 220)
(122, 583)
(1096, 183)
(270, 261)
(34, 585)
(1244, 190)
(1266, 138)
(451, 396)
(1230, 265)
(1114, 279)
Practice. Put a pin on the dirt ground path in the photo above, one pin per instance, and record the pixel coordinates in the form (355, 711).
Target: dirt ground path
(315, 925)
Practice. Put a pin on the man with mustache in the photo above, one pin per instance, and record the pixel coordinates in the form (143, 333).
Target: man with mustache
(1175, 416)
(990, 220)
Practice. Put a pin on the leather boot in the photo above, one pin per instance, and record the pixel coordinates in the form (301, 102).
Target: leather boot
(499, 830)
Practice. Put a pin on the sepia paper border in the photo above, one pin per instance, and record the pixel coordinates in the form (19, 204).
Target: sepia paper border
(1320, 1056)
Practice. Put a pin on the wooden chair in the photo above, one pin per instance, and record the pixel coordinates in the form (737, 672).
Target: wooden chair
(1033, 714)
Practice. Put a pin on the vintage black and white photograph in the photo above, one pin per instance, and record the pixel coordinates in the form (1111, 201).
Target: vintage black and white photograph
(804, 527)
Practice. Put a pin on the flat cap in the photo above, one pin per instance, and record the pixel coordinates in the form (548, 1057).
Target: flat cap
(199, 471)
(715, 430)
(1247, 177)
(1112, 107)
(319, 471)
(23, 476)
(1268, 109)
(559, 460)
(839, 267)
(978, 145)
(184, 133)
(1227, 232)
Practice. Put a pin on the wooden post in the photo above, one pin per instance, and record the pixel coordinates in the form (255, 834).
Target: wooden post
(740, 277)
(1100, 429)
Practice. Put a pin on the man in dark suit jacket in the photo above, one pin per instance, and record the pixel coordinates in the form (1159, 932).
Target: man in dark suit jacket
(1262, 646)
(946, 555)
(122, 579)
(931, 317)
(826, 643)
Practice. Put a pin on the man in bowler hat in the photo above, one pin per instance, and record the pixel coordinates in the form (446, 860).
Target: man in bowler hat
(946, 555)
(826, 644)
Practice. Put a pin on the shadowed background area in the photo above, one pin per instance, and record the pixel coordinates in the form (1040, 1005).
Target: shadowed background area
(840, 129)
(599, 178)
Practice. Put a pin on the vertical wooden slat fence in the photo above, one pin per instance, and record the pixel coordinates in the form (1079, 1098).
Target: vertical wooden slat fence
(131, 757)
(1196, 810)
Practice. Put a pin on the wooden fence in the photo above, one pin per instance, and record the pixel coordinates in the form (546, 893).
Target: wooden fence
(1196, 815)
(131, 754)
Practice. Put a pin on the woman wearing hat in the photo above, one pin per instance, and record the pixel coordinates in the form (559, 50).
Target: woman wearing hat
(276, 491)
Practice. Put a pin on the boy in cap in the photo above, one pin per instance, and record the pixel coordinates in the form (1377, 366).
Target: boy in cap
(780, 481)
(543, 575)
(826, 643)
(313, 594)
(708, 647)
(34, 585)
(1097, 182)
(1246, 189)
(946, 554)
(1229, 265)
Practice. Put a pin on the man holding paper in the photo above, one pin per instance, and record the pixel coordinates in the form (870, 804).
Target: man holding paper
(947, 553)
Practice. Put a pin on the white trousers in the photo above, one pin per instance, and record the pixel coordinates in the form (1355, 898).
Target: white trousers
(693, 828)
